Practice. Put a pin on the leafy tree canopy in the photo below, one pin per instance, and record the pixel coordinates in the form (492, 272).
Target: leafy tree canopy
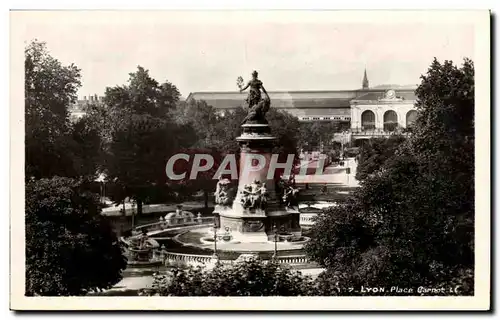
(139, 152)
(87, 148)
(249, 278)
(49, 89)
(314, 134)
(374, 154)
(412, 222)
(143, 95)
(70, 248)
(142, 134)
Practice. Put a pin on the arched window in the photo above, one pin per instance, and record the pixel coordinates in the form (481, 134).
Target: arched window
(411, 116)
(390, 120)
(368, 120)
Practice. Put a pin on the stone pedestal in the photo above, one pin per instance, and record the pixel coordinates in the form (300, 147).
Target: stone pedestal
(255, 224)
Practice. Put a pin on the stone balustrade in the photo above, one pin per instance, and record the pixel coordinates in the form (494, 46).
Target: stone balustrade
(379, 132)
(194, 259)
(293, 260)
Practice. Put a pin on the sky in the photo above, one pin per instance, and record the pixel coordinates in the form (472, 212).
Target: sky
(208, 51)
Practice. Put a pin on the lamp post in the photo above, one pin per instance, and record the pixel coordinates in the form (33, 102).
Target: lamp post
(215, 239)
(344, 141)
(275, 255)
(101, 200)
(133, 212)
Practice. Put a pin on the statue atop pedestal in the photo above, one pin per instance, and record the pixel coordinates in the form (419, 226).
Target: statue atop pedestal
(256, 105)
(256, 207)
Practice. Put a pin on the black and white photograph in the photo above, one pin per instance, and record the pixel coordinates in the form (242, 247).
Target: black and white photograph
(304, 160)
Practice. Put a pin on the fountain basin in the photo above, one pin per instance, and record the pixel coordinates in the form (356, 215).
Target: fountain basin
(196, 245)
(202, 239)
(210, 240)
(144, 264)
(286, 237)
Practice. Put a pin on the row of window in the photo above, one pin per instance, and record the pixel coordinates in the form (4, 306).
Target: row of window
(390, 119)
(325, 118)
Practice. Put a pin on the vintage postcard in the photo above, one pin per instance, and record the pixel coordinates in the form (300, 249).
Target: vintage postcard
(304, 160)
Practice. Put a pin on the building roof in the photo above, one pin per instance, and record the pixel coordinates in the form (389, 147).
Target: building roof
(377, 94)
(318, 94)
(300, 99)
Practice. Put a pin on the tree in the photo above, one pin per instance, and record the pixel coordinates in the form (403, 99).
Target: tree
(105, 120)
(143, 95)
(143, 135)
(202, 118)
(284, 128)
(49, 89)
(411, 223)
(204, 181)
(249, 278)
(70, 248)
(312, 135)
(87, 148)
(374, 154)
(213, 131)
(139, 152)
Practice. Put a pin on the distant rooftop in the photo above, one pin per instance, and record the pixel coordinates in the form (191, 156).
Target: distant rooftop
(396, 86)
(329, 99)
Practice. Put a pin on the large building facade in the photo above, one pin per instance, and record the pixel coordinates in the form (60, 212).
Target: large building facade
(366, 112)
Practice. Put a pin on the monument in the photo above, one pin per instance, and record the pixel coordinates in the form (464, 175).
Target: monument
(260, 207)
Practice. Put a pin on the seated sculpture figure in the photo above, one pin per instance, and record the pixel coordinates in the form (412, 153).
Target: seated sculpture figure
(245, 196)
(254, 195)
(263, 196)
(222, 192)
(287, 192)
(290, 196)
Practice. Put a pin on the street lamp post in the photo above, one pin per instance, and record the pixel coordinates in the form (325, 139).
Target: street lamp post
(104, 192)
(133, 212)
(215, 240)
(275, 255)
(343, 144)
(101, 200)
(344, 141)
